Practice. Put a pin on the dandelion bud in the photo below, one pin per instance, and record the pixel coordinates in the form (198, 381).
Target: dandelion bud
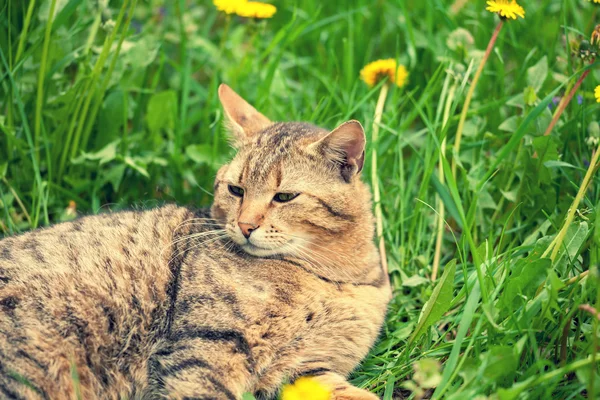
(586, 50)
(108, 26)
(594, 129)
(595, 36)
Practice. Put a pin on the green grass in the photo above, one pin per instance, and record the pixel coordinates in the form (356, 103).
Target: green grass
(104, 109)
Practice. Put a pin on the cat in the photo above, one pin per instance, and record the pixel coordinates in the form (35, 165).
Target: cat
(279, 279)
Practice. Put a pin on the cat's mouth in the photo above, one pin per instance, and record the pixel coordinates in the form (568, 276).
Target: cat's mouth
(260, 251)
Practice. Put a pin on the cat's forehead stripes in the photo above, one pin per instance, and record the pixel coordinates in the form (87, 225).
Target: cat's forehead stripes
(266, 154)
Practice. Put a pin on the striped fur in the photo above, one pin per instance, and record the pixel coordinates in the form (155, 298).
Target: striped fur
(171, 303)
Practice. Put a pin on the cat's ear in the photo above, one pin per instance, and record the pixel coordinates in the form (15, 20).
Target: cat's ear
(243, 119)
(345, 147)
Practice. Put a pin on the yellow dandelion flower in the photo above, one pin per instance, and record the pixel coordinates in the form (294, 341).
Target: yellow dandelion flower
(305, 388)
(595, 1)
(228, 6)
(377, 70)
(597, 94)
(255, 9)
(506, 8)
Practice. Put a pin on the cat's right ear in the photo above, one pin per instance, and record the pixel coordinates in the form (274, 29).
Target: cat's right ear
(243, 120)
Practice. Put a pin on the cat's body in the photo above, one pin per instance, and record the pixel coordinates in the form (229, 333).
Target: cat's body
(171, 303)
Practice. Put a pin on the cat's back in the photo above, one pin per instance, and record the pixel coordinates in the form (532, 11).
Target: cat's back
(84, 294)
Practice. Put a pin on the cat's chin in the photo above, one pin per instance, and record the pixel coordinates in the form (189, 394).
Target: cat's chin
(259, 251)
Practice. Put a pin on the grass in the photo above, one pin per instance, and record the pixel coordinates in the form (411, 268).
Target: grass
(104, 108)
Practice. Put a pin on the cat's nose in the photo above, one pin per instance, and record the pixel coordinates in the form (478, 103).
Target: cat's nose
(247, 228)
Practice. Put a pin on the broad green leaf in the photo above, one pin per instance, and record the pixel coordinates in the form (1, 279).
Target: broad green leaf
(414, 280)
(111, 115)
(134, 163)
(114, 175)
(162, 111)
(104, 155)
(575, 237)
(525, 277)
(500, 363)
(536, 74)
(558, 164)
(547, 150)
(438, 303)
(199, 153)
(510, 124)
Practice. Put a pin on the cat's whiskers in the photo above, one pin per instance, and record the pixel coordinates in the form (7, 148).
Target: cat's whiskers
(193, 246)
(321, 263)
(189, 238)
(197, 235)
(197, 221)
(342, 257)
(197, 245)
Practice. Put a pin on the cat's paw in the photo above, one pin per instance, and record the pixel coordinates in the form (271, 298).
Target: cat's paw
(352, 393)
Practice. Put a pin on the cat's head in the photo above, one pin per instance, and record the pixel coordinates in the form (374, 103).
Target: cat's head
(292, 188)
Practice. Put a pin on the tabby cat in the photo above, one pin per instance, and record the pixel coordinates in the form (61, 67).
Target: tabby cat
(279, 279)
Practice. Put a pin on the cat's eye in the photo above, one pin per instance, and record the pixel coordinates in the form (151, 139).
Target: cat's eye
(285, 197)
(236, 190)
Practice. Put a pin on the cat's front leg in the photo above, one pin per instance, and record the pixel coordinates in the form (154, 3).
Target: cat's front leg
(204, 363)
(341, 389)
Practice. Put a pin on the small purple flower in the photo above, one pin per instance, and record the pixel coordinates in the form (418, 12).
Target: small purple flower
(554, 103)
(586, 163)
(136, 25)
(579, 99)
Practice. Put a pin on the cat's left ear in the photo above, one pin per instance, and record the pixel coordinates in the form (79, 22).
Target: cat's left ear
(344, 146)
(244, 120)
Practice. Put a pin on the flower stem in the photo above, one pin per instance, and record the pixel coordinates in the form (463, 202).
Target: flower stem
(374, 178)
(22, 39)
(557, 242)
(440, 204)
(465, 110)
(42, 75)
(563, 104)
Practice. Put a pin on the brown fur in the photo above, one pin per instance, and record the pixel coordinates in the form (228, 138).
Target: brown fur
(171, 303)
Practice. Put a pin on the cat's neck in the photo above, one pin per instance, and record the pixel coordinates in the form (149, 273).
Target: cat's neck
(351, 258)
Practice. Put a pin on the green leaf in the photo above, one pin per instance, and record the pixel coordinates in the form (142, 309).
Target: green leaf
(104, 155)
(135, 164)
(438, 303)
(547, 150)
(500, 363)
(248, 396)
(414, 280)
(162, 111)
(529, 96)
(510, 124)
(574, 239)
(111, 115)
(199, 153)
(526, 276)
(114, 175)
(537, 74)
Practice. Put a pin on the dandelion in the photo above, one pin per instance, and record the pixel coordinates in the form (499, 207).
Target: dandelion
(597, 94)
(374, 72)
(228, 6)
(506, 8)
(255, 9)
(305, 388)
(371, 74)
